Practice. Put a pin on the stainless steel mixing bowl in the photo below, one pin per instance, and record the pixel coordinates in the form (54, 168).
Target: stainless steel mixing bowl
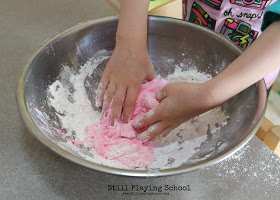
(168, 38)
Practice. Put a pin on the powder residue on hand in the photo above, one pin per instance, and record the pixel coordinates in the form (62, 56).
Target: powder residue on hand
(120, 140)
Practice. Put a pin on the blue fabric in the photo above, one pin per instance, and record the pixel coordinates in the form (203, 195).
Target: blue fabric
(271, 14)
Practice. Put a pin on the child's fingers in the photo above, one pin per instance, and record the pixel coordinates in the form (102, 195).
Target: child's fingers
(150, 76)
(109, 94)
(152, 131)
(149, 118)
(118, 103)
(160, 95)
(99, 97)
(129, 103)
(165, 132)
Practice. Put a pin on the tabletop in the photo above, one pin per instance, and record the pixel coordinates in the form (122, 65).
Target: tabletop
(29, 170)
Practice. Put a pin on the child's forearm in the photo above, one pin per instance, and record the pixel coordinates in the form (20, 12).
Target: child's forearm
(260, 59)
(132, 28)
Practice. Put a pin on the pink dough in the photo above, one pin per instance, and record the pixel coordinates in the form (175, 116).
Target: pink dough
(119, 142)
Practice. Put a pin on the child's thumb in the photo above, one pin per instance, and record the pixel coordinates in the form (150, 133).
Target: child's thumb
(160, 94)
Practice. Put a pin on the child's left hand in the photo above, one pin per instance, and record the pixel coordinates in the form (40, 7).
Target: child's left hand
(179, 102)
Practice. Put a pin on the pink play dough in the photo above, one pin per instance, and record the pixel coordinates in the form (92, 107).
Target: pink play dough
(119, 142)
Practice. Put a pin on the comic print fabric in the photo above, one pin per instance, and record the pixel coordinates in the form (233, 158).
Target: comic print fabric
(238, 20)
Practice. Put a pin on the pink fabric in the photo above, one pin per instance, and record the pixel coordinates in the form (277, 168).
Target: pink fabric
(220, 11)
(269, 80)
(120, 142)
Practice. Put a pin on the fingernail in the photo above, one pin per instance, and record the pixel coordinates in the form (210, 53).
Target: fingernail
(103, 111)
(101, 117)
(150, 113)
(103, 114)
(98, 94)
(120, 114)
(137, 123)
(129, 118)
(122, 119)
(157, 139)
(159, 95)
(111, 121)
(98, 104)
(143, 136)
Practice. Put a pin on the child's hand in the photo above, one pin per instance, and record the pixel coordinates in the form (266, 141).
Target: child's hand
(126, 70)
(179, 102)
(130, 63)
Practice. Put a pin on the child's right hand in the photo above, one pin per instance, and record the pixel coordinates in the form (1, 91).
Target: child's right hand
(126, 70)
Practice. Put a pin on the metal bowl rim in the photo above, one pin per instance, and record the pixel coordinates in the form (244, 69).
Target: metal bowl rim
(126, 172)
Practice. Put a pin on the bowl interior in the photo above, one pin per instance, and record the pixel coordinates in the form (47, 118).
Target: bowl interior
(170, 42)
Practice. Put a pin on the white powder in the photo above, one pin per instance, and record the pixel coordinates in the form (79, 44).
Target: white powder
(192, 75)
(238, 167)
(69, 98)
